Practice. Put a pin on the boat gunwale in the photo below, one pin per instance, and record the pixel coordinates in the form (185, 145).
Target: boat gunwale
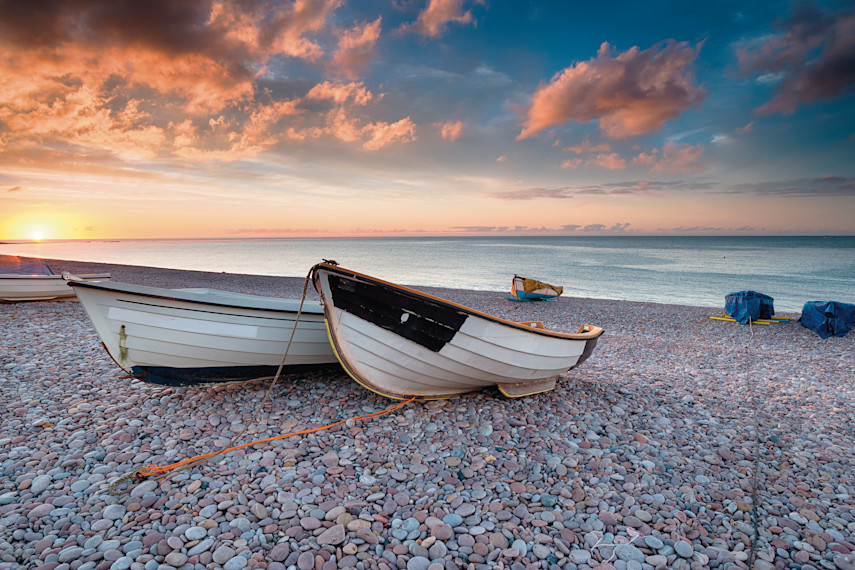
(593, 332)
(189, 297)
(52, 277)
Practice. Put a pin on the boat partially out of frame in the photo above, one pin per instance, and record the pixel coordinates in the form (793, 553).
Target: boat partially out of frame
(402, 343)
(37, 282)
(525, 289)
(204, 337)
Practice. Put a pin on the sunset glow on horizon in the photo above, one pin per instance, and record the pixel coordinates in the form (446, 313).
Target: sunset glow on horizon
(227, 119)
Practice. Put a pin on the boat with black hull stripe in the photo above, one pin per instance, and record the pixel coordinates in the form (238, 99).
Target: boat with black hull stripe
(402, 343)
(204, 337)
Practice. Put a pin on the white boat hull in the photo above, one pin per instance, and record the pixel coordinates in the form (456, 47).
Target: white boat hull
(204, 337)
(39, 287)
(402, 343)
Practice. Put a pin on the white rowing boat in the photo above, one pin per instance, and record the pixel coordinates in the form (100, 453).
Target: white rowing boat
(403, 343)
(37, 282)
(202, 337)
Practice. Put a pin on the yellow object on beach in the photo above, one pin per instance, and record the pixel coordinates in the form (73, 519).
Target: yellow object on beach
(770, 321)
(532, 285)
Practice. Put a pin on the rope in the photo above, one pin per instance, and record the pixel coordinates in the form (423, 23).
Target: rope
(755, 476)
(162, 471)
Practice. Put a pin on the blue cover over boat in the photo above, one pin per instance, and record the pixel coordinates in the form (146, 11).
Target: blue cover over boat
(36, 268)
(746, 306)
(828, 318)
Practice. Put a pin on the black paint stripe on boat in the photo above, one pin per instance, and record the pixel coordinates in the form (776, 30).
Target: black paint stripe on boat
(417, 319)
(218, 375)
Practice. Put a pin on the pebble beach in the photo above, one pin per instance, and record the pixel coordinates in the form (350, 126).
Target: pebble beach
(683, 442)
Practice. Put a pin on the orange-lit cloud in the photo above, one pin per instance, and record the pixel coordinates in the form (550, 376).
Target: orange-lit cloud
(810, 55)
(433, 20)
(610, 161)
(112, 76)
(630, 94)
(683, 157)
(746, 129)
(356, 48)
(381, 134)
(451, 130)
(341, 92)
(586, 147)
(372, 136)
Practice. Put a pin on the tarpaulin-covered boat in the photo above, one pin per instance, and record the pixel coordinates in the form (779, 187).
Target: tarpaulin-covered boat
(828, 318)
(403, 343)
(36, 281)
(749, 306)
(203, 337)
(525, 289)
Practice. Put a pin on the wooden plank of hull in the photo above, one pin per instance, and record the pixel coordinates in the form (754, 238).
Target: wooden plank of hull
(179, 342)
(482, 351)
(39, 287)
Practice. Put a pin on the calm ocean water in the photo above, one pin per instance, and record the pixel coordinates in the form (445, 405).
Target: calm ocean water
(677, 270)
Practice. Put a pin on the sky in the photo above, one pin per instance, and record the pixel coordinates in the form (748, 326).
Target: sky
(253, 118)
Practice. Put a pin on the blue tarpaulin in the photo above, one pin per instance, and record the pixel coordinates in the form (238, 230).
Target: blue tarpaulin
(36, 268)
(828, 318)
(746, 306)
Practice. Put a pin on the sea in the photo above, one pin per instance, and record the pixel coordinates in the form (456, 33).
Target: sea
(680, 270)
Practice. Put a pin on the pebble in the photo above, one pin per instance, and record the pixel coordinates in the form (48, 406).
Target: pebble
(655, 435)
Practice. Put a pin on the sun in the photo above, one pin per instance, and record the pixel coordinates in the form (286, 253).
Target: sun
(37, 236)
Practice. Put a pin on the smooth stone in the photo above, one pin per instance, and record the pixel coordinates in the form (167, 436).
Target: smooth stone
(39, 484)
(196, 533)
(684, 549)
(418, 563)
(236, 563)
(223, 554)
(113, 512)
(306, 561)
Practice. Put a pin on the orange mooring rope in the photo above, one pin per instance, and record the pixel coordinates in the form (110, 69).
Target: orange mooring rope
(162, 470)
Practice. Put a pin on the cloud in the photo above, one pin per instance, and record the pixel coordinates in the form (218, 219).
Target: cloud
(451, 130)
(230, 140)
(341, 92)
(630, 94)
(829, 185)
(586, 147)
(381, 134)
(503, 158)
(433, 20)
(638, 187)
(115, 76)
(592, 228)
(710, 229)
(746, 129)
(571, 163)
(356, 48)
(610, 161)
(810, 55)
(533, 194)
(683, 157)
(15, 189)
